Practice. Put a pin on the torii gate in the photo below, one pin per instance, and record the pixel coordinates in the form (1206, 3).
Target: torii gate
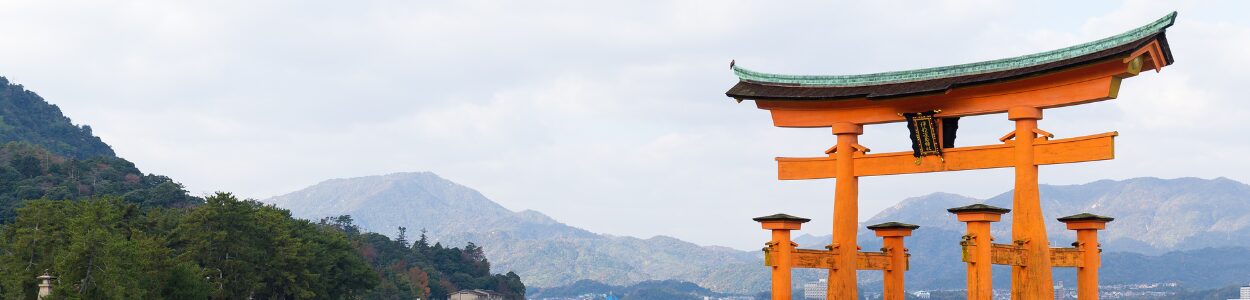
(1021, 87)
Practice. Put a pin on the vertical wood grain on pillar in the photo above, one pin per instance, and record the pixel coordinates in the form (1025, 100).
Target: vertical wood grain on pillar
(781, 269)
(1087, 274)
(978, 247)
(1033, 281)
(782, 250)
(842, 279)
(1087, 226)
(894, 248)
(980, 276)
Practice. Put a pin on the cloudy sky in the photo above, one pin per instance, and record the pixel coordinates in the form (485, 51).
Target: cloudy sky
(608, 116)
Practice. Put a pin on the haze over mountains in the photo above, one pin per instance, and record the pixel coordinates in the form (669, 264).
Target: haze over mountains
(1152, 216)
(545, 252)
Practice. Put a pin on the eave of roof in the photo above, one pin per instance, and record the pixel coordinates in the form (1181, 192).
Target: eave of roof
(759, 85)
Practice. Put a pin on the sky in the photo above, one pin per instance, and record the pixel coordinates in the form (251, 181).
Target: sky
(609, 116)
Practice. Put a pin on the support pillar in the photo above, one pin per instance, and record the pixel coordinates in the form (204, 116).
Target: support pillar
(1087, 226)
(842, 280)
(1028, 229)
(781, 249)
(893, 234)
(977, 247)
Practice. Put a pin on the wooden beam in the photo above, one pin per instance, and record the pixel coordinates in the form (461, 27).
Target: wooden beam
(1003, 254)
(1096, 82)
(1071, 150)
(873, 261)
(824, 259)
(1011, 255)
(1066, 258)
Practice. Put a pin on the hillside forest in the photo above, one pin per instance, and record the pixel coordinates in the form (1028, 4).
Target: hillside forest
(72, 209)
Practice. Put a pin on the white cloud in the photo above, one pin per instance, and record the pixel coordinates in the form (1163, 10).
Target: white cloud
(592, 112)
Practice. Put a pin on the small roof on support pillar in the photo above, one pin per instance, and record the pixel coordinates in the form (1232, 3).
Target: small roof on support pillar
(754, 85)
(781, 217)
(1086, 217)
(979, 208)
(893, 225)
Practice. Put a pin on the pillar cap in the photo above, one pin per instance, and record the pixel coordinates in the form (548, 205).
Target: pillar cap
(893, 225)
(847, 128)
(1086, 217)
(781, 217)
(979, 208)
(1024, 113)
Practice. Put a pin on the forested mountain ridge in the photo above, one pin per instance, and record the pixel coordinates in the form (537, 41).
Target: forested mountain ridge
(24, 116)
(43, 155)
(29, 172)
(106, 230)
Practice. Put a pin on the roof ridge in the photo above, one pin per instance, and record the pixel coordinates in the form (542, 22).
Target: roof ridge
(1153, 28)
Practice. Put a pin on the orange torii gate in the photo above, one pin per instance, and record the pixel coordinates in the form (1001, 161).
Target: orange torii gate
(1021, 87)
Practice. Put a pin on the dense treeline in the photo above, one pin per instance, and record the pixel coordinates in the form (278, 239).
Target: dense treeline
(226, 248)
(30, 172)
(424, 271)
(105, 248)
(24, 116)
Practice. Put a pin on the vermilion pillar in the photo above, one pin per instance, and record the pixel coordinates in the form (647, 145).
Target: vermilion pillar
(1032, 281)
(782, 250)
(842, 283)
(1087, 226)
(893, 234)
(977, 247)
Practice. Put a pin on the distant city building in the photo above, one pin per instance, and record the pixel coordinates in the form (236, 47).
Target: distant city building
(921, 294)
(816, 290)
(1244, 293)
(475, 295)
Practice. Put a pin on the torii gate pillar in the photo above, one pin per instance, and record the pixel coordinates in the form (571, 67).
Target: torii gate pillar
(1028, 228)
(842, 280)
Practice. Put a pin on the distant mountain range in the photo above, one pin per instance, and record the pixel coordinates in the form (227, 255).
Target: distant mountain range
(1153, 216)
(1164, 230)
(543, 251)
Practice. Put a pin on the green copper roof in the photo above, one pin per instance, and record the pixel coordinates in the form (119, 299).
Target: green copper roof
(959, 70)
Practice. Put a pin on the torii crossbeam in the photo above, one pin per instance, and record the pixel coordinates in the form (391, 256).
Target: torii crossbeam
(1021, 86)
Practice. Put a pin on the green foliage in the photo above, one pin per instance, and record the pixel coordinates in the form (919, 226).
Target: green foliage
(30, 172)
(425, 271)
(97, 248)
(248, 249)
(24, 116)
(107, 248)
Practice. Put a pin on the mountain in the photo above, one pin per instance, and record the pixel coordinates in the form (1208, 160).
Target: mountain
(543, 251)
(1153, 215)
(24, 116)
(45, 156)
(1164, 229)
(1159, 222)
